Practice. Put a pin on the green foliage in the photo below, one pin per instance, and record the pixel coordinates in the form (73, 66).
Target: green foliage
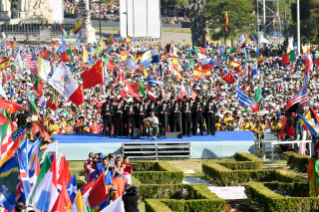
(174, 3)
(297, 161)
(196, 197)
(240, 17)
(298, 189)
(272, 202)
(243, 161)
(152, 172)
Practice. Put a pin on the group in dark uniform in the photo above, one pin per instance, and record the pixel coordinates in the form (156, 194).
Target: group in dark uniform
(187, 116)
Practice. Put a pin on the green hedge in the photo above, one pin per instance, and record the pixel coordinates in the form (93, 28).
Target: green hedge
(272, 202)
(153, 172)
(225, 176)
(297, 189)
(244, 161)
(180, 198)
(297, 161)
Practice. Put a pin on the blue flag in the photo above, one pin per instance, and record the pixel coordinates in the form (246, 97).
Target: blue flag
(61, 49)
(222, 50)
(37, 50)
(79, 37)
(72, 188)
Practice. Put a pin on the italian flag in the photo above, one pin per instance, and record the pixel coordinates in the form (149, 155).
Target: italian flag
(257, 98)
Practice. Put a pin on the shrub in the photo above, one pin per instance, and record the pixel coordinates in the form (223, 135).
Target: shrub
(298, 189)
(272, 202)
(243, 161)
(297, 161)
(226, 176)
(152, 172)
(196, 197)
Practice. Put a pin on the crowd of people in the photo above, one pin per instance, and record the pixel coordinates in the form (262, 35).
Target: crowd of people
(117, 171)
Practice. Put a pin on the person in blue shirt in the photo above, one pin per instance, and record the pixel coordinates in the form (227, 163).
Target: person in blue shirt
(108, 174)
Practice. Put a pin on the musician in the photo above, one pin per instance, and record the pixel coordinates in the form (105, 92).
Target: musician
(107, 113)
(187, 114)
(210, 118)
(176, 111)
(165, 111)
(130, 113)
(153, 125)
(198, 117)
(119, 110)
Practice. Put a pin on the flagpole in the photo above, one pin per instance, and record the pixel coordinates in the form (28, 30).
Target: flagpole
(163, 92)
(298, 26)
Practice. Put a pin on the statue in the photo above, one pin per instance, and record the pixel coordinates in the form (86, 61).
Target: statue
(14, 9)
(198, 25)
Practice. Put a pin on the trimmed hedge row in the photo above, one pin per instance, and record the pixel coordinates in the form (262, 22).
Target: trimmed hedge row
(152, 172)
(297, 189)
(297, 161)
(225, 176)
(272, 202)
(180, 197)
(244, 161)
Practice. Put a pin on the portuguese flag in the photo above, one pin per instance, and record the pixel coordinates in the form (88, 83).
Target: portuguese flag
(257, 98)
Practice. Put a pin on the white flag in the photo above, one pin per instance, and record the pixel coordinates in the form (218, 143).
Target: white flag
(116, 206)
(2, 93)
(130, 63)
(44, 69)
(18, 63)
(63, 81)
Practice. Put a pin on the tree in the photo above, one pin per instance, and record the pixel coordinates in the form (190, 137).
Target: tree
(309, 14)
(196, 14)
(240, 17)
(174, 3)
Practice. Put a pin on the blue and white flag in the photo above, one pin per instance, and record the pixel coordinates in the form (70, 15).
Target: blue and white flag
(241, 97)
(61, 49)
(221, 50)
(79, 37)
(25, 188)
(155, 57)
(72, 188)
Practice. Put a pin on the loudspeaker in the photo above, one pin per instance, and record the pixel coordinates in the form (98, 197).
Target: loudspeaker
(136, 133)
(174, 135)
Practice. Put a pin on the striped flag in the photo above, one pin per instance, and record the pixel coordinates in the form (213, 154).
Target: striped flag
(301, 96)
(241, 97)
(32, 62)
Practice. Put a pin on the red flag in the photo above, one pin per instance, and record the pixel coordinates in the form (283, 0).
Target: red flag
(128, 88)
(77, 97)
(317, 62)
(7, 77)
(86, 187)
(63, 202)
(11, 107)
(288, 105)
(136, 87)
(45, 54)
(285, 59)
(110, 65)
(229, 79)
(40, 90)
(93, 76)
(65, 57)
(64, 177)
(50, 103)
(62, 165)
(7, 42)
(97, 193)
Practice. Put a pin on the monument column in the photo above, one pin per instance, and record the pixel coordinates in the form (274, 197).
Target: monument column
(88, 34)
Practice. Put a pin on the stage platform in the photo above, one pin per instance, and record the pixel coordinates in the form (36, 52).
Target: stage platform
(223, 144)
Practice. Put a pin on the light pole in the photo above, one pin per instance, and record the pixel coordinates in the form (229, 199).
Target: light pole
(298, 26)
(125, 13)
(100, 21)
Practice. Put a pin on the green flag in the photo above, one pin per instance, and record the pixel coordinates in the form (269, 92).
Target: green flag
(69, 53)
(4, 129)
(197, 49)
(9, 172)
(37, 83)
(191, 64)
(53, 97)
(141, 88)
(44, 169)
(5, 112)
(231, 50)
(257, 98)
(106, 58)
(292, 56)
(34, 107)
(89, 209)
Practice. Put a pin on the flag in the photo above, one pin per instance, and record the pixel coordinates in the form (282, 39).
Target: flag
(42, 102)
(93, 76)
(25, 186)
(18, 63)
(207, 63)
(44, 69)
(206, 40)
(100, 206)
(78, 96)
(292, 56)
(128, 39)
(78, 40)
(285, 59)
(63, 202)
(254, 67)
(11, 107)
(64, 33)
(226, 21)
(146, 59)
(63, 180)
(61, 49)
(308, 63)
(5, 64)
(6, 139)
(309, 124)
(38, 87)
(48, 186)
(155, 57)
(260, 58)
(116, 206)
(78, 27)
(301, 96)
(97, 193)
(222, 50)
(35, 170)
(65, 57)
(63, 81)
(241, 97)
(5, 203)
(7, 77)
(159, 72)
(150, 94)
(72, 188)
(78, 205)
(257, 98)
(33, 64)
(9, 179)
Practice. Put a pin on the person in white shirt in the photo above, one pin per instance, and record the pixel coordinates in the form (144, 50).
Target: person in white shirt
(153, 125)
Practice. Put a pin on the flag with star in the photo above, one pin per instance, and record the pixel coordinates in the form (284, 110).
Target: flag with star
(63, 202)
(93, 76)
(78, 96)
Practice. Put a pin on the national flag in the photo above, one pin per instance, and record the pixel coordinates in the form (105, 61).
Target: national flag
(128, 89)
(150, 94)
(301, 96)
(33, 63)
(93, 76)
(155, 57)
(38, 87)
(128, 39)
(62, 202)
(139, 55)
(79, 205)
(5, 203)
(260, 58)
(9, 179)
(78, 40)
(199, 50)
(97, 193)
(206, 40)
(110, 65)
(100, 206)
(64, 33)
(52, 103)
(116, 206)
(315, 117)
(61, 49)
(6, 139)
(78, 27)
(48, 187)
(87, 187)
(285, 59)
(182, 93)
(11, 107)
(65, 57)
(7, 77)
(35, 170)
(292, 56)
(310, 125)
(229, 78)
(207, 63)
(226, 21)
(63, 180)
(78, 96)
(147, 58)
(5, 64)
(257, 98)
(308, 63)
(25, 186)
(241, 97)
(63, 81)
(72, 188)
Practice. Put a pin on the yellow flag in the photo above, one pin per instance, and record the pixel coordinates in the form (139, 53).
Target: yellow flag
(85, 55)
(79, 202)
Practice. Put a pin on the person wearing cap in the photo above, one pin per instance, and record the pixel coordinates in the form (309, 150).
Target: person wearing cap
(118, 127)
(107, 114)
(130, 114)
(176, 124)
(187, 118)
(112, 195)
(198, 118)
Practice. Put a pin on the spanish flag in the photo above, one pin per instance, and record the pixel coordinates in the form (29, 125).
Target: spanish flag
(78, 27)
(175, 61)
(226, 22)
(128, 39)
(5, 64)
(123, 55)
